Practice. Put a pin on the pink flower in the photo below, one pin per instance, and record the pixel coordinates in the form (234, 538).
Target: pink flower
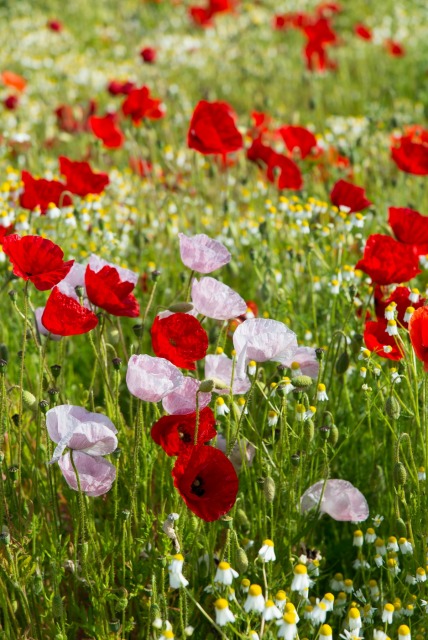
(96, 475)
(220, 367)
(203, 254)
(76, 428)
(183, 399)
(307, 359)
(242, 453)
(151, 379)
(261, 339)
(340, 500)
(216, 300)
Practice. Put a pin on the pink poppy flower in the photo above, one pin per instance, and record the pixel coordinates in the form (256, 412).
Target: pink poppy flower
(202, 254)
(261, 339)
(340, 500)
(151, 379)
(76, 428)
(182, 400)
(242, 453)
(221, 367)
(307, 360)
(216, 300)
(96, 475)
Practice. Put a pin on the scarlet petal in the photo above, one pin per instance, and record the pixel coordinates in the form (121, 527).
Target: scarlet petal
(81, 180)
(289, 173)
(106, 129)
(175, 434)
(387, 261)
(180, 339)
(64, 316)
(376, 337)
(411, 157)
(349, 195)
(298, 138)
(41, 192)
(212, 129)
(139, 105)
(106, 290)
(418, 331)
(410, 227)
(207, 482)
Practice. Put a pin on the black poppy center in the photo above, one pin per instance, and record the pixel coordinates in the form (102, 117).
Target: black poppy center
(184, 437)
(198, 487)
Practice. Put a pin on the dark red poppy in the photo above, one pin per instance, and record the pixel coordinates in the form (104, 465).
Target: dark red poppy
(298, 138)
(379, 341)
(283, 21)
(283, 172)
(201, 16)
(37, 259)
(346, 194)
(180, 339)
(175, 434)
(11, 102)
(418, 331)
(65, 316)
(259, 152)
(363, 32)
(207, 482)
(148, 55)
(41, 193)
(138, 105)
(106, 290)
(72, 122)
(320, 34)
(106, 129)
(399, 297)
(212, 129)
(387, 261)
(394, 48)
(409, 226)
(55, 25)
(118, 88)
(80, 179)
(410, 156)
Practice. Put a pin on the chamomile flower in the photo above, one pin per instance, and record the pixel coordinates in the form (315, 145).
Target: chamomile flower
(326, 632)
(374, 590)
(405, 546)
(272, 418)
(319, 613)
(321, 393)
(391, 328)
(167, 635)
(255, 600)
(358, 538)
(422, 476)
(336, 583)
(421, 575)
(404, 632)
(221, 408)
(281, 599)
(176, 578)
(387, 613)
(328, 600)
(223, 614)
(370, 536)
(267, 551)
(225, 574)
(271, 611)
(392, 544)
(354, 619)
(288, 628)
(301, 581)
(409, 312)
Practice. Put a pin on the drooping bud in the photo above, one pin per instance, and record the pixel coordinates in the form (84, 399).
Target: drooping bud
(181, 307)
(241, 561)
(342, 363)
(29, 400)
(309, 430)
(116, 362)
(400, 474)
(334, 435)
(392, 408)
(242, 519)
(206, 386)
(269, 489)
(56, 370)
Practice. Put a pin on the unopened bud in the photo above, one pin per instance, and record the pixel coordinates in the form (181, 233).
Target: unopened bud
(295, 459)
(392, 408)
(155, 275)
(29, 400)
(401, 528)
(269, 489)
(241, 560)
(242, 519)
(181, 307)
(56, 370)
(342, 363)
(400, 474)
(334, 435)
(206, 386)
(57, 606)
(309, 430)
(80, 291)
(320, 353)
(44, 406)
(114, 625)
(12, 295)
(116, 362)
(138, 329)
(325, 431)
(302, 382)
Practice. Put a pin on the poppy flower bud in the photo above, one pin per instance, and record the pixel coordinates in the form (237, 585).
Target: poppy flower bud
(181, 307)
(57, 607)
(302, 382)
(342, 363)
(5, 538)
(29, 400)
(53, 395)
(269, 489)
(241, 560)
(125, 514)
(116, 362)
(242, 519)
(138, 329)
(80, 291)
(334, 435)
(400, 474)
(206, 386)
(56, 370)
(309, 430)
(155, 275)
(319, 352)
(227, 522)
(114, 625)
(44, 406)
(117, 453)
(12, 295)
(392, 408)
(325, 431)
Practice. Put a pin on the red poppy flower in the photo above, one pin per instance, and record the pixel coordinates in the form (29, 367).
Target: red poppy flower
(387, 261)
(409, 226)
(212, 129)
(117, 88)
(418, 331)
(37, 259)
(139, 105)
(40, 193)
(259, 152)
(180, 339)
(394, 48)
(201, 16)
(400, 297)
(148, 54)
(55, 25)
(70, 122)
(106, 129)
(80, 179)
(410, 156)
(11, 79)
(65, 316)
(346, 194)
(363, 32)
(379, 341)
(298, 138)
(207, 482)
(106, 290)
(175, 434)
(11, 102)
(261, 122)
(319, 34)
(289, 176)
(5, 231)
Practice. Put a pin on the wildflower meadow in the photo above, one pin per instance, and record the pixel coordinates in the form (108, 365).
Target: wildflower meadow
(214, 320)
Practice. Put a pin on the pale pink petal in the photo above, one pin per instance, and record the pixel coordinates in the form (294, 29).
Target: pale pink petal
(242, 451)
(340, 500)
(183, 400)
(151, 379)
(202, 254)
(126, 275)
(40, 327)
(216, 300)
(307, 359)
(96, 475)
(220, 367)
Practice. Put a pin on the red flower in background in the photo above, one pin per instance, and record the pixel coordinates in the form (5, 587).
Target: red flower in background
(11, 102)
(148, 55)
(55, 25)
(202, 16)
(13, 80)
(410, 156)
(106, 290)
(37, 259)
(363, 32)
(180, 339)
(387, 261)
(41, 193)
(4, 231)
(410, 227)
(106, 129)
(138, 105)
(80, 179)
(175, 434)
(65, 316)
(289, 176)
(212, 129)
(118, 88)
(319, 34)
(379, 341)
(399, 297)
(346, 194)
(70, 122)
(418, 331)
(394, 48)
(298, 138)
(259, 152)
(207, 482)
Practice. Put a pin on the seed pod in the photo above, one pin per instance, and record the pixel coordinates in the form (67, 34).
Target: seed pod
(392, 408)
(342, 363)
(269, 489)
(308, 430)
(57, 606)
(241, 560)
(242, 520)
(400, 474)
(334, 435)
(295, 459)
(155, 611)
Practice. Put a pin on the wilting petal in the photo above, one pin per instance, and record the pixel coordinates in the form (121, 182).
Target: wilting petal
(151, 379)
(340, 500)
(96, 475)
(216, 300)
(183, 399)
(202, 254)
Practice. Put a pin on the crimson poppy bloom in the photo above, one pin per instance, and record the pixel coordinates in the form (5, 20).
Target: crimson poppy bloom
(394, 48)
(387, 261)
(201, 16)
(175, 434)
(5, 231)
(410, 227)
(37, 259)
(418, 331)
(212, 129)
(41, 193)
(346, 194)
(117, 88)
(379, 341)
(106, 290)
(148, 55)
(410, 156)
(11, 102)
(288, 175)
(399, 297)
(106, 129)
(55, 25)
(138, 105)
(80, 179)
(207, 482)
(65, 316)
(180, 339)
(259, 152)
(298, 138)
(319, 34)
(363, 32)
